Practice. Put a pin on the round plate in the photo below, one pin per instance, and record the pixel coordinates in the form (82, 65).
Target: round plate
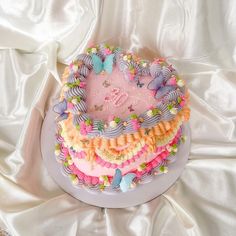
(141, 194)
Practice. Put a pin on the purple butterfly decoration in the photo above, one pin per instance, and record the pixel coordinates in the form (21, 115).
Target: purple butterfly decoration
(159, 84)
(130, 108)
(60, 109)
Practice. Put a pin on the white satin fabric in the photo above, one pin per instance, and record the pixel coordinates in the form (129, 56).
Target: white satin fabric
(198, 37)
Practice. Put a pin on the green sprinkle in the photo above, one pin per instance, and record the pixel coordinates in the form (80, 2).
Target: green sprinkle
(133, 116)
(105, 178)
(66, 163)
(162, 168)
(170, 106)
(72, 176)
(179, 100)
(101, 186)
(88, 122)
(57, 146)
(172, 153)
(174, 145)
(155, 111)
(117, 120)
(143, 166)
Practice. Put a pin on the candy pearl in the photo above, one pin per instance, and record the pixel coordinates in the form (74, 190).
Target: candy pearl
(155, 172)
(75, 181)
(139, 168)
(57, 152)
(107, 183)
(70, 162)
(180, 83)
(165, 170)
(101, 178)
(133, 185)
(173, 111)
(149, 113)
(94, 50)
(144, 64)
(113, 124)
(175, 149)
(74, 101)
(125, 58)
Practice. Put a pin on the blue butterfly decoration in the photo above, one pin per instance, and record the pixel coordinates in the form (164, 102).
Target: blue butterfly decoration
(124, 182)
(158, 84)
(99, 65)
(60, 109)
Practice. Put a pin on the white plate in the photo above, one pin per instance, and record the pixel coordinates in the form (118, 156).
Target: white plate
(141, 194)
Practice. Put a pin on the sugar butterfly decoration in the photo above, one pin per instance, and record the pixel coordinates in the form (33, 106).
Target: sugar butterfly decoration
(139, 84)
(124, 182)
(160, 82)
(106, 84)
(61, 109)
(98, 108)
(131, 108)
(100, 66)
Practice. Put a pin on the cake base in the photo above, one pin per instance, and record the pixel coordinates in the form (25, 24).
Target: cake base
(141, 194)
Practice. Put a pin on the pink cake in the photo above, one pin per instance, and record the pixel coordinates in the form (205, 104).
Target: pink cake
(119, 119)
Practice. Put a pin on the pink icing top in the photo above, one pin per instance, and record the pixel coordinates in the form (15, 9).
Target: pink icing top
(111, 94)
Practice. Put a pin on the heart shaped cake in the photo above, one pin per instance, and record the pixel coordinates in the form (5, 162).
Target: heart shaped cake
(119, 119)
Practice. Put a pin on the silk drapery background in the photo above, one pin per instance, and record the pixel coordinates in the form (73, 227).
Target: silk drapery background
(199, 39)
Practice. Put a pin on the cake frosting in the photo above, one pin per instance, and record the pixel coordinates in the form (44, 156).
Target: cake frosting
(119, 120)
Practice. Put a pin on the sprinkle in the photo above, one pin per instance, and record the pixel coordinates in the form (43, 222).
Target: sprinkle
(94, 50)
(180, 83)
(75, 181)
(74, 101)
(173, 111)
(149, 113)
(112, 124)
(70, 162)
(57, 152)
(163, 169)
(125, 58)
(144, 64)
